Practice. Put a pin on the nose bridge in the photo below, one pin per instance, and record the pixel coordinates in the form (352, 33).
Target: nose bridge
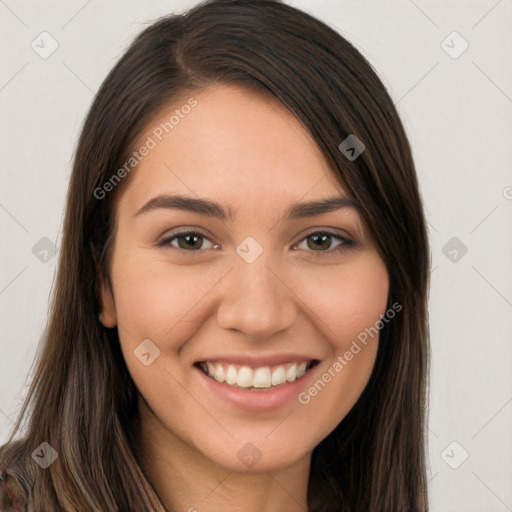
(254, 298)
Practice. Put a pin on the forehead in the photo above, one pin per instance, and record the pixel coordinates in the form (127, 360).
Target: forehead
(234, 144)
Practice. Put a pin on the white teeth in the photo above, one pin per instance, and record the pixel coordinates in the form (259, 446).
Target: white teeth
(259, 378)
(291, 373)
(231, 375)
(245, 377)
(278, 376)
(262, 378)
(219, 374)
(211, 368)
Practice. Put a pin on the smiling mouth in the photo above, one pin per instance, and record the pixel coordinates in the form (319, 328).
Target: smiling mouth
(252, 378)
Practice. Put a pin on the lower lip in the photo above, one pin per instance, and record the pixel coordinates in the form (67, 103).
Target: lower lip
(270, 399)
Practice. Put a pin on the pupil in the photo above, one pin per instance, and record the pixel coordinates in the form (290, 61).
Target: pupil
(188, 239)
(323, 238)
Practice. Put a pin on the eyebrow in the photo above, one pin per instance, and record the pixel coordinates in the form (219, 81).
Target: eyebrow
(215, 210)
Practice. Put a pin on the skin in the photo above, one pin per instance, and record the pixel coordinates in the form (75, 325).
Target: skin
(247, 152)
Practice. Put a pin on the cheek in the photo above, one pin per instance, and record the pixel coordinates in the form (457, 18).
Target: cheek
(350, 308)
(155, 299)
(160, 301)
(163, 303)
(351, 299)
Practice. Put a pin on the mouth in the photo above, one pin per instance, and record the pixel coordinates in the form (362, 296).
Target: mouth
(251, 378)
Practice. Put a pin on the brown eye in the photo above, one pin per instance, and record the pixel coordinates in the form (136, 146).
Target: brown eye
(190, 241)
(321, 242)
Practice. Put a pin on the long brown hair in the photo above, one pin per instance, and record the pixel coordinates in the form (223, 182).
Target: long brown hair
(82, 400)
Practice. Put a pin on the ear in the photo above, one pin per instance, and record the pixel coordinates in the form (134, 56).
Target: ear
(108, 315)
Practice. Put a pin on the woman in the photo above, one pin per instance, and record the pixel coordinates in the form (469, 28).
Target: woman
(240, 315)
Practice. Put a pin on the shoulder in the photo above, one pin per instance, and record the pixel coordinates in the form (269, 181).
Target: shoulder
(11, 496)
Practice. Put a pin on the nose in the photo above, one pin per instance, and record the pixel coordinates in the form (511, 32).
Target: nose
(257, 300)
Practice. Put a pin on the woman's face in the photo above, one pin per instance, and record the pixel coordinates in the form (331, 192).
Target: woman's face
(250, 288)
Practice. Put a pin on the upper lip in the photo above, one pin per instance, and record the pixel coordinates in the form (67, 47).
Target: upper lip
(258, 361)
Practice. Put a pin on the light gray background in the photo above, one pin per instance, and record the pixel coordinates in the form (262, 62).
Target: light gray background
(457, 112)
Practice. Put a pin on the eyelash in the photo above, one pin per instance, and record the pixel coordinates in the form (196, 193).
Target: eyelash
(166, 241)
